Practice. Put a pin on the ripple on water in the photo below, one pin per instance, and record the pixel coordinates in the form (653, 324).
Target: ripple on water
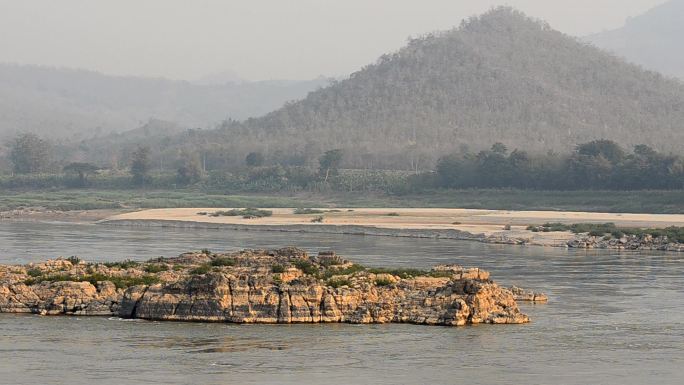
(613, 318)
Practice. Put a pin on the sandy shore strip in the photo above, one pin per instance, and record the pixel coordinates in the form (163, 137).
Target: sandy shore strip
(484, 223)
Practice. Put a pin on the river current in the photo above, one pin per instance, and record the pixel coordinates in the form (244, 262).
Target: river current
(612, 318)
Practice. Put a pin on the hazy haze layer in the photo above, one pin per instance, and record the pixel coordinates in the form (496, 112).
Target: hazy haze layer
(258, 39)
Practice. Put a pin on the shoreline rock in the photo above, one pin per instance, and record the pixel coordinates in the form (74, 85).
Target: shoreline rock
(258, 286)
(578, 242)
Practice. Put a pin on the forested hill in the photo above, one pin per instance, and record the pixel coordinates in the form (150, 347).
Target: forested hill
(501, 77)
(77, 104)
(653, 39)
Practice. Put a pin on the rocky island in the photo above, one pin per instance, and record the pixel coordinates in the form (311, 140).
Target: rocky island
(260, 286)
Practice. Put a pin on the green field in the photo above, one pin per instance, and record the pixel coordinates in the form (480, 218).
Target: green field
(603, 201)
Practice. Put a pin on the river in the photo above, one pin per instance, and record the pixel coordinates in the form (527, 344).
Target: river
(613, 318)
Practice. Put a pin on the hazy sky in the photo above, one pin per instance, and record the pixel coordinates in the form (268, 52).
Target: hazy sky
(258, 39)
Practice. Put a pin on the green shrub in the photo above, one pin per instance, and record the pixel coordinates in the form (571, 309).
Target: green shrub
(305, 211)
(318, 219)
(338, 282)
(202, 269)
(306, 267)
(401, 273)
(673, 233)
(74, 260)
(126, 264)
(223, 261)
(383, 282)
(247, 213)
(156, 268)
(34, 272)
(392, 214)
(277, 269)
(345, 271)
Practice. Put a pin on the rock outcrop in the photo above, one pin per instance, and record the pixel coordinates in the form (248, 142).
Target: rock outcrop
(277, 286)
(627, 242)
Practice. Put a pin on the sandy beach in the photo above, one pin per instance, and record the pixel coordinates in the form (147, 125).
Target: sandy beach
(487, 222)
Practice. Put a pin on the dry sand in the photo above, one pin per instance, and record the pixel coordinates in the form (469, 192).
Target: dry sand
(488, 222)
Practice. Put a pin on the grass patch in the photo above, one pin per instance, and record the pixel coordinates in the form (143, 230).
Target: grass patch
(653, 202)
(383, 282)
(401, 273)
(306, 211)
(673, 233)
(277, 269)
(156, 268)
(202, 269)
(126, 264)
(119, 282)
(306, 267)
(223, 261)
(248, 213)
(318, 219)
(345, 271)
(337, 282)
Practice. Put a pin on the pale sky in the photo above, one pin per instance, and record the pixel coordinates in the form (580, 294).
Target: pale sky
(258, 39)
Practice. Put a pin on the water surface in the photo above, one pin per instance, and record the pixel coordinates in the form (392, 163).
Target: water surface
(613, 319)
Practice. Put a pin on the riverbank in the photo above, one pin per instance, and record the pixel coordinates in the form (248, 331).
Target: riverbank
(656, 202)
(491, 226)
(260, 286)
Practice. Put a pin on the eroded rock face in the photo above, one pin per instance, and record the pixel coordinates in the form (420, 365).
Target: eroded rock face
(277, 286)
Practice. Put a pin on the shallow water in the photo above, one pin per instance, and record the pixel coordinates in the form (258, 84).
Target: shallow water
(613, 319)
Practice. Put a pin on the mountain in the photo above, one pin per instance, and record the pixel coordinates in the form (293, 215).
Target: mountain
(500, 77)
(653, 40)
(77, 104)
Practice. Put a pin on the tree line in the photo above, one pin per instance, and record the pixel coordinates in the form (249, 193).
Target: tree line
(600, 164)
(31, 155)
(596, 165)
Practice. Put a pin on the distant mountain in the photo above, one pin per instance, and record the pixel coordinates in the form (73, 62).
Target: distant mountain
(501, 77)
(77, 104)
(653, 40)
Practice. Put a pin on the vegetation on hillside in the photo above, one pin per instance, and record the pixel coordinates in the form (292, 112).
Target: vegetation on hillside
(499, 77)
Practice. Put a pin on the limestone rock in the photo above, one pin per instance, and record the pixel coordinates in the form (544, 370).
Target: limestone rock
(243, 289)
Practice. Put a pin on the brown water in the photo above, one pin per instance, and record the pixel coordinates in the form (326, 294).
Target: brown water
(613, 319)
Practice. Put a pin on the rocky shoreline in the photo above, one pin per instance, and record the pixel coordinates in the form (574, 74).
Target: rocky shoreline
(261, 286)
(580, 241)
(312, 229)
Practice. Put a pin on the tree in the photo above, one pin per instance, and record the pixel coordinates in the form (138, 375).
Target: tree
(499, 148)
(606, 148)
(140, 165)
(190, 169)
(330, 163)
(82, 170)
(29, 154)
(254, 159)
